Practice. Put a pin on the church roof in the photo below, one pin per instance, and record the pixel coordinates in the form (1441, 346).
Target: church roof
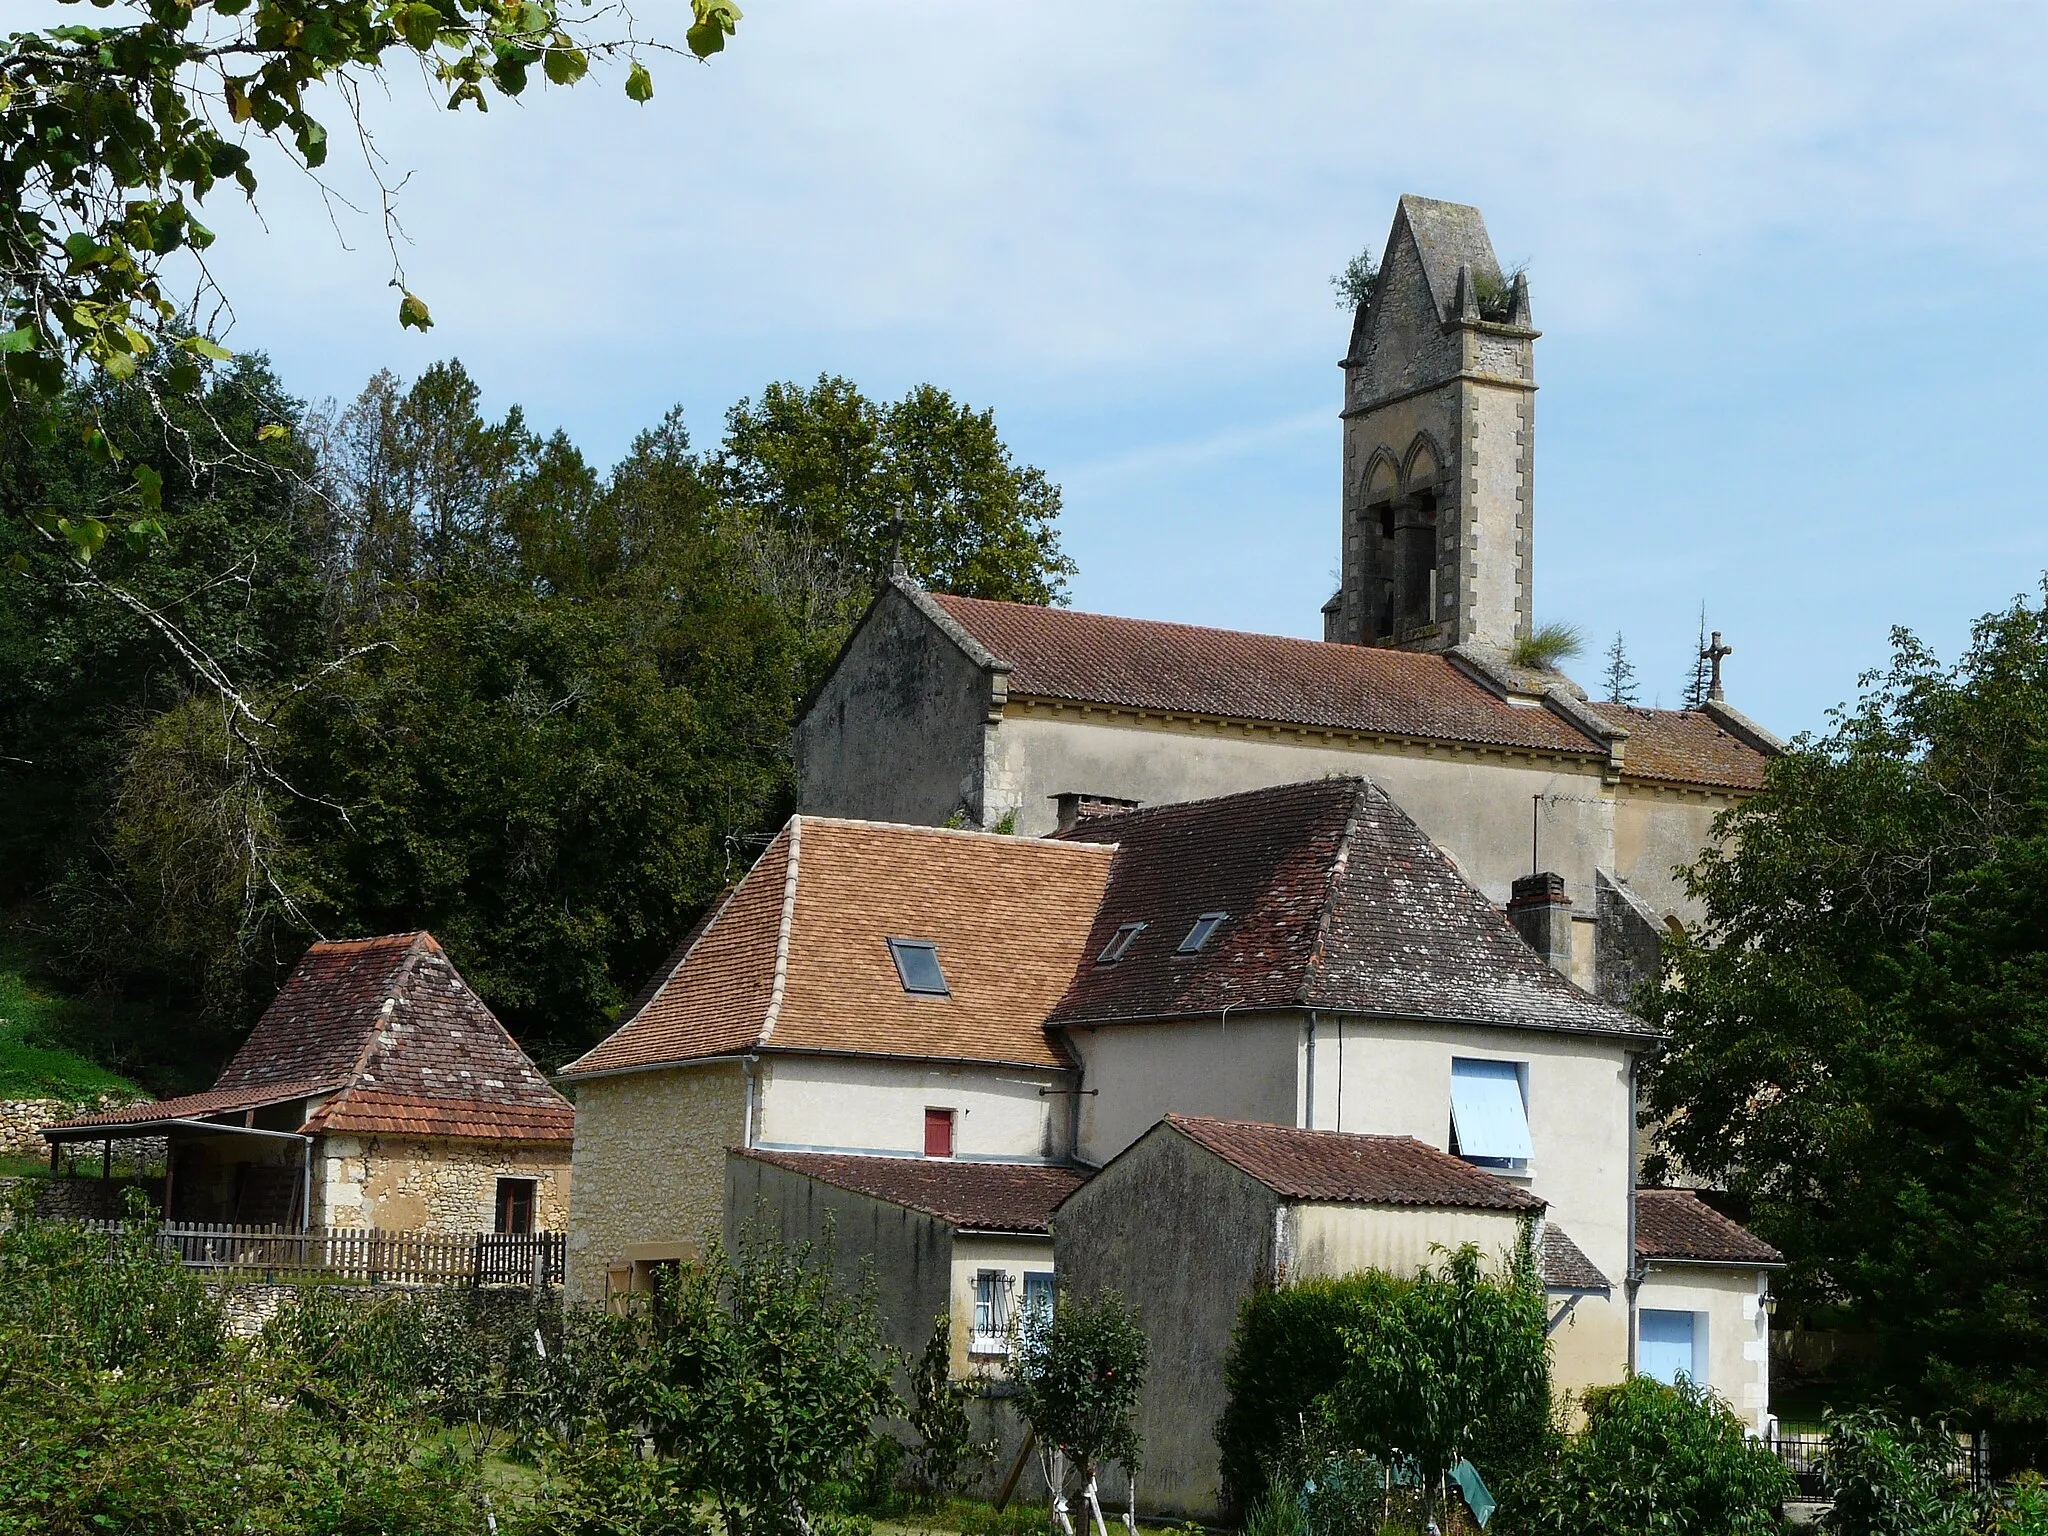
(1333, 899)
(1447, 237)
(387, 1034)
(1092, 658)
(798, 957)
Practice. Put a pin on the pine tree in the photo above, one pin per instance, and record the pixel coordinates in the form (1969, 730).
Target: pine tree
(1700, 678)
(1621, 673)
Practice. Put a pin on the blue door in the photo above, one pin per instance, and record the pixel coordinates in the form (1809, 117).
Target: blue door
(1667, 1345)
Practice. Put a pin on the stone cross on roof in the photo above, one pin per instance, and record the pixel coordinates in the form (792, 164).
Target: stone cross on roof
(1712, 656)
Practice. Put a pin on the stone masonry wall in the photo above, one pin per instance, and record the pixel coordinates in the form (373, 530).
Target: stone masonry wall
(22, 1120)
(401, 1184)
(650, 1164)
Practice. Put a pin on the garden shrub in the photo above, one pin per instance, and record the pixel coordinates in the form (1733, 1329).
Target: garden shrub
(1652, 1460)
(1446, 1365)
(1891, 1477)
(1078, 1377)
(946, 1448)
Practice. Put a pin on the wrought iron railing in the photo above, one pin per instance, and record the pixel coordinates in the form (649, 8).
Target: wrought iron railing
(1802, 1456)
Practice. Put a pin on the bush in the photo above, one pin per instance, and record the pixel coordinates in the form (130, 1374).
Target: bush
(938, 1412)
(1891, 1477)
(1653, 1460)
(1078, 1378)
(1449, 1364)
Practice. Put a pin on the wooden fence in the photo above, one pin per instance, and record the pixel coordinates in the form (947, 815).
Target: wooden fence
(363, 1255)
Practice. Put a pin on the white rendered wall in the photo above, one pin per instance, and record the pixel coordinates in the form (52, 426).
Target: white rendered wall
(1338, 1240)
(860, 1104)
(1246, 1067)
(1730, 1303)
(1014, 1255)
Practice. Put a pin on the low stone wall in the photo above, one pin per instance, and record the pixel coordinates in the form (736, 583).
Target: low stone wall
(83, 1199)
(22, 1120)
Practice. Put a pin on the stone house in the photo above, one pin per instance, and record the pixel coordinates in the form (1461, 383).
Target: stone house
(1703, 1300)
(377, 1091)
(866, 990)
(944, 707)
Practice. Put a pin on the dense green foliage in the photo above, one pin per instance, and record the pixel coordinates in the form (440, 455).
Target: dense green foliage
(945, 1449)
(1859, 1029)
(1652, 1460)
(1444, 1366)
(128, 1407)
(403, 665)
(33, 1069)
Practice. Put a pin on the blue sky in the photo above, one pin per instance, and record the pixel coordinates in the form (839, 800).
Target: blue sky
(1788, 262)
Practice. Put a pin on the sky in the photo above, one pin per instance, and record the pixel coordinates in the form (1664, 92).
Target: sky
(1789, 262)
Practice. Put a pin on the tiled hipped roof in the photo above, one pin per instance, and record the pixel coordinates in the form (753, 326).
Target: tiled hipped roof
(387, 1030)
(1092, 658)
(1343, 1167)
(988, 1197)
(798, 959)
(1335, 900)
(1564, 1264)
(1676, 1225)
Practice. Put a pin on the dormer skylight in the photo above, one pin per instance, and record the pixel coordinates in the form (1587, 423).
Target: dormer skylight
(1205, 925)
(917, 966)
(1119, 943)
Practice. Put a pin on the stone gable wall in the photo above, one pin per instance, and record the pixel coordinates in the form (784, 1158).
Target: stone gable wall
(403, 1184)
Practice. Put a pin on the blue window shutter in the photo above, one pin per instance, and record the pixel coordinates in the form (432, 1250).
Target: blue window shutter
(1487, 1109)
(1665, 1345)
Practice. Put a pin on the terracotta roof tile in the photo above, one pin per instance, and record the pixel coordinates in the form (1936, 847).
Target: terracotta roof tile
(1183, 668)
(798, 959)
(1565, 1266)
(1675, 1224)
(197, 1106)
(1685, 746)
(1335, 900)
(1342, 1167)
(389, 1027)
(990, 1197)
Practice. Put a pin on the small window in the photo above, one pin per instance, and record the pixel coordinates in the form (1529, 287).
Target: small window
(1038, 1298)
(991, 1332)
(1489, 1114)
(515, 1205)
(1120, 944)
(1205, 925)
(917, 964)
(938, 1132)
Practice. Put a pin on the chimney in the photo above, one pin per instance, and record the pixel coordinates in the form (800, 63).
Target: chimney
(1542, 914)
(1074, 807)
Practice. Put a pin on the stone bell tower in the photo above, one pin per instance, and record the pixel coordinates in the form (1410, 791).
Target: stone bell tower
(1439, 444)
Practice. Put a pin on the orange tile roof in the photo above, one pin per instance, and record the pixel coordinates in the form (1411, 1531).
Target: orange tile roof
(798, 957)
(991, 1197)
(1345, 1167)
(366, 1112)
(1677, 1225)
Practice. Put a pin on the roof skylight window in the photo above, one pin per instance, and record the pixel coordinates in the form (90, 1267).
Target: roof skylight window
(1119, 944)
(1205, 925)
(917, 966)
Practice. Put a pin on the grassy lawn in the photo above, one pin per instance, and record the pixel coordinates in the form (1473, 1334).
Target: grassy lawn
(31, 1067)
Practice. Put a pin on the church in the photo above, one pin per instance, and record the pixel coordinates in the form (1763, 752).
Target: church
(1112, 954)
(946, 710)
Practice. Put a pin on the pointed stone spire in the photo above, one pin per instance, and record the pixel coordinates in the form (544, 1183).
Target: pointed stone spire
(1518, 302)
(1465, 298)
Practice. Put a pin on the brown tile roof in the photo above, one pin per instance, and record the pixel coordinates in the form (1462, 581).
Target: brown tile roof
(197, 1106)
(366, 1112)
(1565, 1266)
(798, 958)
(1342, 1167)
(989, 1197)
(389, 1027)
(1336, 901)
(1186, 669)
(1676, 1225)
(1685, 746)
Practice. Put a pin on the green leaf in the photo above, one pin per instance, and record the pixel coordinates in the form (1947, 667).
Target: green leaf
(87, 537)
(715, 22)
(22, 340)
(200, 346)
(150, 485)
(414, 313)
(182, 377)
(80, 247)
(531, 19)
(273, 432)
(145, 531)
(565, 66)
(639, 84)
(419, 25)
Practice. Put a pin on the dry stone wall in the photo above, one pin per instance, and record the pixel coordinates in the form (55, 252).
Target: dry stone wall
(22, 1120)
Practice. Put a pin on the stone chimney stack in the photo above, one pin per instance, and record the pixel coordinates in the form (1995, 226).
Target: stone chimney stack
(1074, 807)
(1542, 914)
